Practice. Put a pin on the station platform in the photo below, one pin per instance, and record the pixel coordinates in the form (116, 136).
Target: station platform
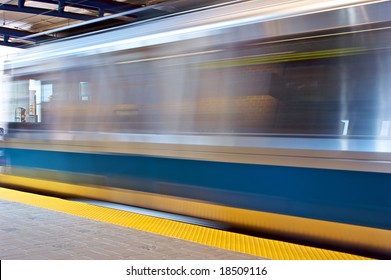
(38, 227)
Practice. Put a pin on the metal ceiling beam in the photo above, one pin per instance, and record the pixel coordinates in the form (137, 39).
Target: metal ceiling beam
(100, 23)
(6, 43)
(100, 6)
(19, 33)
(9, 33)
(21, 3)
(45, 12)
(91, 23)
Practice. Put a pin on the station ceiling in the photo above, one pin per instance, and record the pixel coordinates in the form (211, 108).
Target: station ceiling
(26, 23)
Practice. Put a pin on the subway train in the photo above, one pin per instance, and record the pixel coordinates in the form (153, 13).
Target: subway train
(269, 116)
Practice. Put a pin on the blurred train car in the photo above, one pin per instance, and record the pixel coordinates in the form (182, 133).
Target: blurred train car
(268, 115)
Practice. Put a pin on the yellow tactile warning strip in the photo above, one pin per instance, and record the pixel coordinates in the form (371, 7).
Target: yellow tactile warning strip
(261, 247)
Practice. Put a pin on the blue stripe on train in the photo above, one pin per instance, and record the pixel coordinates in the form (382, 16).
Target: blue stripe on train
(361, 198)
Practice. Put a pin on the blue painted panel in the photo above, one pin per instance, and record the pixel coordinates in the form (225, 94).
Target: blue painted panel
(361, 198)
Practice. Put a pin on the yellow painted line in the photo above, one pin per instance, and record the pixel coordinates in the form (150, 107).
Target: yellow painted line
(261, 247)
(275, 58)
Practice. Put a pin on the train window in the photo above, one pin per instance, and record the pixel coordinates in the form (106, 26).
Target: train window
(24, 104)
(47, 92)
(84, 91)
